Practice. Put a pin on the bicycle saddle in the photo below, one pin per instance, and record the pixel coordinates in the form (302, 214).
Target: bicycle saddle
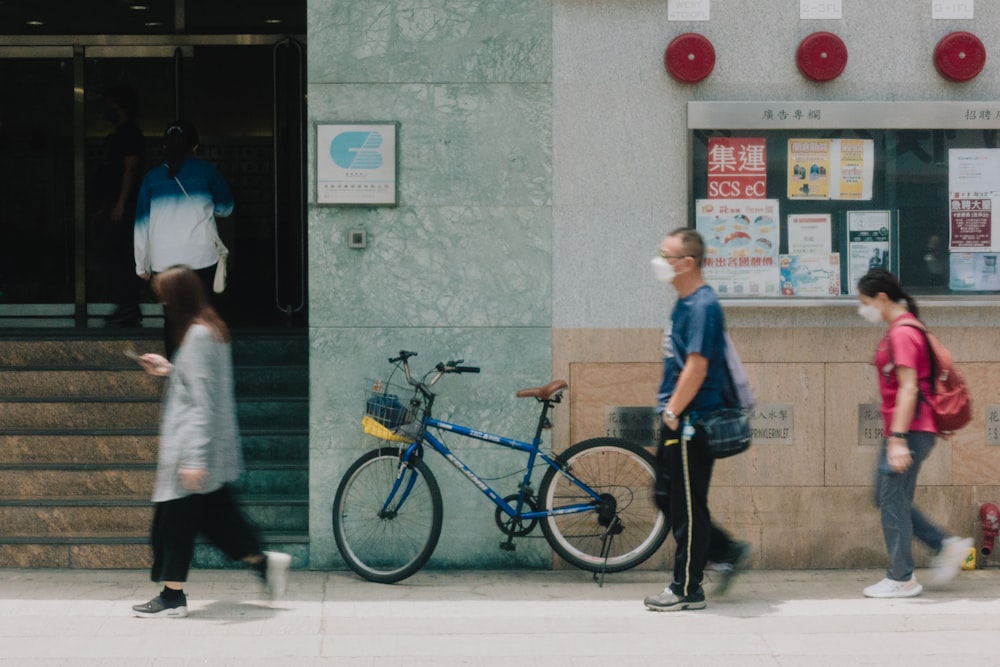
(543, 393)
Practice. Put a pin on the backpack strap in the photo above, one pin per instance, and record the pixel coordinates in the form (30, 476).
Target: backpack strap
(919, 326)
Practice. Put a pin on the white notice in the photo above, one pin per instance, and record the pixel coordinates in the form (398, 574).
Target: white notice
(821, 9)
(688, 10)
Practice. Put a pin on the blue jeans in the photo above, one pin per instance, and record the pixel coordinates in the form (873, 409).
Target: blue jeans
(901, 521)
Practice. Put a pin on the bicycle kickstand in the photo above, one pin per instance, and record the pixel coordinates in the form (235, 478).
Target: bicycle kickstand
(606, 540)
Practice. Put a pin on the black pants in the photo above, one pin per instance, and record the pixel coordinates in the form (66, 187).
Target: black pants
(119, 262)
(170, 342)
(176, 524)
(689, 470)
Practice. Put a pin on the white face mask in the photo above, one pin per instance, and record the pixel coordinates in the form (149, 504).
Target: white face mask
(870, 313)
(663, 270)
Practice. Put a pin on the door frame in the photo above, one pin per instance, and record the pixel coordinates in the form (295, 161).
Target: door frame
(78, 48)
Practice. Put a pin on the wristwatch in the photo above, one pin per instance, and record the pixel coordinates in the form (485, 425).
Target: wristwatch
(670, 416)
(898, 434)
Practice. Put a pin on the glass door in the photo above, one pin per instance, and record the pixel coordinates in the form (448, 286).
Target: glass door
(37, 218)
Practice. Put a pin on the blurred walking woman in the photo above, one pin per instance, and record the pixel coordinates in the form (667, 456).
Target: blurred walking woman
(199, 450)
(904, 381)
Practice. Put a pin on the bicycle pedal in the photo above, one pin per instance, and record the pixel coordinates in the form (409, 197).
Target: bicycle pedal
(506, 546)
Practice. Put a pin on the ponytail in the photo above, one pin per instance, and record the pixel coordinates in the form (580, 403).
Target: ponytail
(880, 280)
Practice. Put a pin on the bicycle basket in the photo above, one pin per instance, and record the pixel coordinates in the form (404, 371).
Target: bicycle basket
(385, 415)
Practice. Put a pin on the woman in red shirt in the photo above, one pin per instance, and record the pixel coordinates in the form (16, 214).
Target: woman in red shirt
(904, 381)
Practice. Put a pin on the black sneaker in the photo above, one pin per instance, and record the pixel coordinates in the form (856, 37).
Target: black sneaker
(670, 601)
(739, 556)
(160, 608)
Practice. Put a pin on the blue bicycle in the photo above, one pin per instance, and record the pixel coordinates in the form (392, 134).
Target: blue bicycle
(595, 501)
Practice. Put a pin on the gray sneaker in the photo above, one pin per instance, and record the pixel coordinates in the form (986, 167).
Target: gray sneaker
(670, 601)
(949, 560)
(739, 556)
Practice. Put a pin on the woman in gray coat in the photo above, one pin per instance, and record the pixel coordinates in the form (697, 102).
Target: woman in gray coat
(199, 451)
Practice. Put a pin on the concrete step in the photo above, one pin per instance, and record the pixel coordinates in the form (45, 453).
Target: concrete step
(133, 482)
(121, 383)
(134, 383)
(97, 447)
(121, 518)
(23, 414)
(132, 552)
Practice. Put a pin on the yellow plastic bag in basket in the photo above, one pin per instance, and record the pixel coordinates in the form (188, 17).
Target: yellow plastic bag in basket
(372, 427)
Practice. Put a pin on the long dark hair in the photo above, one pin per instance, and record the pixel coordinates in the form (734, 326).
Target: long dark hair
(181, 291)
(179, 139)
(880, 280)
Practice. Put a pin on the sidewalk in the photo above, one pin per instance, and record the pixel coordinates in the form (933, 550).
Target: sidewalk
(493, 619)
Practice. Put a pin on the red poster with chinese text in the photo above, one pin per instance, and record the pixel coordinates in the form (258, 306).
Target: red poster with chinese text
(737, 168)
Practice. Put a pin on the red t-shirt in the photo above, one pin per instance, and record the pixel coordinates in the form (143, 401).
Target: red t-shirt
(908, 349)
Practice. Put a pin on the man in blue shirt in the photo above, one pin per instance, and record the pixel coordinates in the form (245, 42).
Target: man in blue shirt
(695, 383)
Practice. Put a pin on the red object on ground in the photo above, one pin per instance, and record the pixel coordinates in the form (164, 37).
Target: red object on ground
(821, 56)
(959, 56)
(989, 514)
(689, 58)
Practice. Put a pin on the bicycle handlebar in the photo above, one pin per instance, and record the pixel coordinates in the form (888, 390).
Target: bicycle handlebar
(451, 366)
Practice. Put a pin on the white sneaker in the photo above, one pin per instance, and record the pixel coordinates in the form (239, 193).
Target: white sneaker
(276, 573)
(889, 588)
(949, 560)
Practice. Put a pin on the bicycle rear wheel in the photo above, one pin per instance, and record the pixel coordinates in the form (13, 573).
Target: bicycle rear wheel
(386, 542)
(623, 474)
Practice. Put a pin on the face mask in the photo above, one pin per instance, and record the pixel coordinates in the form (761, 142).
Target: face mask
(870, 313)
(663, 270)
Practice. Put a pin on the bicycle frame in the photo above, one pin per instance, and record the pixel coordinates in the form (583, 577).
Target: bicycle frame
(532, 449)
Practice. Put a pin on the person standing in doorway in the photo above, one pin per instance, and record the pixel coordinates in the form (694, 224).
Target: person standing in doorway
(179, 201)
(199, 451)
(904, 375)
(695, 381)
(117, 193)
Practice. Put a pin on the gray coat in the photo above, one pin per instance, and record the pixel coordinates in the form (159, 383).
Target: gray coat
(198, 426)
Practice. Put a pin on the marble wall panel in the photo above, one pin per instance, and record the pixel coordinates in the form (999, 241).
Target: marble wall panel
(446, 266)
(973, 461)
(387, 41)
(341, 360)
(459, 144)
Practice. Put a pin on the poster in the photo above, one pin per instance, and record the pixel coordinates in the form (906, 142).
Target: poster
(831, 169)
(809, 234)
(809, 168)
(810, 274)
(974, 187)
(974, 271)
(867, 244)
(853, 169)
(741, 245)
(737, 168)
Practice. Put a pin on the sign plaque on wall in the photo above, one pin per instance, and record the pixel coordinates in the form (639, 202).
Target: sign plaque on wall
(871, 428)
(356, 163)
(640, 425)
(772, 424)
(992, 417)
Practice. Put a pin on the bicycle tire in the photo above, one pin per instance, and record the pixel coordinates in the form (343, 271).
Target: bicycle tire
(379, 547)
(620, 469)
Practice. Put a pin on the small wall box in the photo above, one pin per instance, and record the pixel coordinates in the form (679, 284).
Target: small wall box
(357, 238)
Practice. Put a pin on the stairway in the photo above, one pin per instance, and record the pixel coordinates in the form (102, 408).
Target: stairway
(78, 434)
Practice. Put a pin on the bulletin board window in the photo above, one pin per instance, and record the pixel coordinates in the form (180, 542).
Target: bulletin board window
(796, 200)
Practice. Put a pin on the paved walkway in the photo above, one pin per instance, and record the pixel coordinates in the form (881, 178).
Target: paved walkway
(523, 618)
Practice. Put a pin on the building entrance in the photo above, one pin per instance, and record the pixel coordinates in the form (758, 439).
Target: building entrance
(244, 93)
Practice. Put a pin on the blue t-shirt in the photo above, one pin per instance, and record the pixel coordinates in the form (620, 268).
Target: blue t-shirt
(698, 326)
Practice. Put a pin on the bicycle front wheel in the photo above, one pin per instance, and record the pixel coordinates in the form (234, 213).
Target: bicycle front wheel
(387, 539)
(625, 528)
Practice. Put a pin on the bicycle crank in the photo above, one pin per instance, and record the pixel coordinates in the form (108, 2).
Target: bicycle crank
(516, 526)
